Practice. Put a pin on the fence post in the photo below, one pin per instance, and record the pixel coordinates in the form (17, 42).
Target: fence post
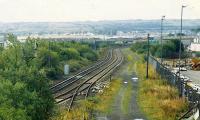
(187, 91)
(180, 87)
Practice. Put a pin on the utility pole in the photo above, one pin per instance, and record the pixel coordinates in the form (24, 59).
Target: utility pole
(180, 48)
(181, 39)
(161, 38)
(147, 68)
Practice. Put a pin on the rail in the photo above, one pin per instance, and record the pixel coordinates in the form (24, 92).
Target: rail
(72, 79)
(109, 68)
(103, 66)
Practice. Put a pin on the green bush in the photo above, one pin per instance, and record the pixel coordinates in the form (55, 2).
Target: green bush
(74, 65)
(170, 49)
(90, 56)
(26, 70)
(69, 53)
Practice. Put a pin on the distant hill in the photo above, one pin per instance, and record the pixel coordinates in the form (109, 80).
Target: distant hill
(100, 27)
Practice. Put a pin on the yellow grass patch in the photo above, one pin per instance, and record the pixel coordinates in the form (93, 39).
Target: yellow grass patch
(157, 99)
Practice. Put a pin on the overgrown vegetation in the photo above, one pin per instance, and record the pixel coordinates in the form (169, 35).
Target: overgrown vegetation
(101, 103)
(170, 49)
(157, 99)
(25, 73)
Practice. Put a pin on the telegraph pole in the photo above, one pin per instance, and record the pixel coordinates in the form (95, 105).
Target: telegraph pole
(181, 39)
(147, 68)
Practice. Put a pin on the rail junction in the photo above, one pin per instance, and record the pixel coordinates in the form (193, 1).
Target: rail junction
(81, 85)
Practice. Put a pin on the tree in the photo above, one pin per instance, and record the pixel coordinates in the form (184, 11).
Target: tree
(24, 88)
(69, 53)
(90, 56)
(47, 58)
(170, 49)
(26, 71)
(12, 100)
(140, 47)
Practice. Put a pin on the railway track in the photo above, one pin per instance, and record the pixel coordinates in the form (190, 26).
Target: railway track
(63, 95)
(62, 85)
(91, 76)
(105, 73)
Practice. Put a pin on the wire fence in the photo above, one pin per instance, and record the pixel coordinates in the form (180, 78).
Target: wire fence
(186, 89)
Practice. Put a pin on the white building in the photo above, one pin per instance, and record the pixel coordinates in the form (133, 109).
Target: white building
(4, 41)
(195, 45)
(197, 40)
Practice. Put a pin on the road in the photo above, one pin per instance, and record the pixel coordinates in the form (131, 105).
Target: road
(193, 75)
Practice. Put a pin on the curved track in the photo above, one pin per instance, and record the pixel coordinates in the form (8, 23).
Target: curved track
(71, 89)
(64, 84)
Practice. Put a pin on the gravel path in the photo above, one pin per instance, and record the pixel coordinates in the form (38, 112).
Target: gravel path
(133, 111)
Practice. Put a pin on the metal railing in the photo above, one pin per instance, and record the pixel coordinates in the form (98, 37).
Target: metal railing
(186, 89)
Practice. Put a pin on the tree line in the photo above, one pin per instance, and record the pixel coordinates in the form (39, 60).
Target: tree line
(169, 49)
(28, 68)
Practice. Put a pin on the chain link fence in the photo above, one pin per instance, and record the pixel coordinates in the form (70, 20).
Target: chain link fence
(187, 90)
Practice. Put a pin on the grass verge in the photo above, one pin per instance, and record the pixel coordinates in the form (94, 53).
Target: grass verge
(157, 99)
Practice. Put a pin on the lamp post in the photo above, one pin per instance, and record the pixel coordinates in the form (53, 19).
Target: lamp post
(161, 37)
(181, 32)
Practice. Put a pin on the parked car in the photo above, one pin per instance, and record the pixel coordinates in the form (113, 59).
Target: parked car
(187, 79)
(196, 87)
(174, 71)
(183, 69)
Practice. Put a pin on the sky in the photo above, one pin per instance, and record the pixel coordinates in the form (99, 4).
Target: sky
(94, 10)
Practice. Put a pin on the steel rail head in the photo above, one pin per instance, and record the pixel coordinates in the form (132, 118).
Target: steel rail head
(59, 84)
(87, 93)
(74, 95)
(75, 81)
(115, 65)
(74, 76)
